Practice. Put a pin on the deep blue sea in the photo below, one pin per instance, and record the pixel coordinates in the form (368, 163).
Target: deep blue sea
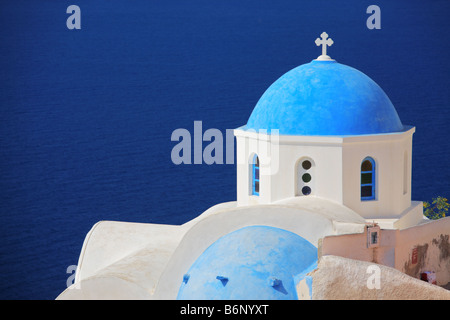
(86, 116)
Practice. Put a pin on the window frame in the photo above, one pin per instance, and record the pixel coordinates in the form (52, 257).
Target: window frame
(372, 184)
(256, 166)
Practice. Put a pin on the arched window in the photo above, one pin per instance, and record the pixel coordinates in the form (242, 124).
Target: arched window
(368, 178)
(255, 175)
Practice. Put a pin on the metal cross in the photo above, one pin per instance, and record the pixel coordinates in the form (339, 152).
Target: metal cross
(324, 42)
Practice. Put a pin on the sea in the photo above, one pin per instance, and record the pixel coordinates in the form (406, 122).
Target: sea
(87, 115)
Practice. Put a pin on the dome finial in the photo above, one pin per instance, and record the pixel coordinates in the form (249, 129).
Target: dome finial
(324, 42)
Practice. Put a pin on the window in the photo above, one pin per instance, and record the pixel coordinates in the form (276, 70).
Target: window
(373, 236)
(368, 176)
(306, 164)
(305, 177)
(306, 190)
(255, 176)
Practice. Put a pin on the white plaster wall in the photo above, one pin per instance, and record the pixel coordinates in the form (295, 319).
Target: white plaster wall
(336, 172)
(326, 175)
(279, 157)
(111, 241)
(388, 152)
(105, 288)
(121, 260)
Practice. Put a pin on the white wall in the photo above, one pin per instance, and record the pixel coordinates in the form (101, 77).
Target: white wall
(336, 173)
(388, 152)
(279, 157)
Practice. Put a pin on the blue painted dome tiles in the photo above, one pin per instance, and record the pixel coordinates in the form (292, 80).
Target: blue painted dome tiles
(325, 98)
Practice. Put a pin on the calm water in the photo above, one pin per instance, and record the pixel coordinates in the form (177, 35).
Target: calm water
(87, 115)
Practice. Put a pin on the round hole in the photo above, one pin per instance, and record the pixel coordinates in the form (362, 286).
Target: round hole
(306, 164)
(306, 190)
(306, 177)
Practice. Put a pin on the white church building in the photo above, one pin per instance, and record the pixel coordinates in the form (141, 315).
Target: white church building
(323, 170)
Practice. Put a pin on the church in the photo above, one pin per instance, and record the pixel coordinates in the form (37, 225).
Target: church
(323, 192)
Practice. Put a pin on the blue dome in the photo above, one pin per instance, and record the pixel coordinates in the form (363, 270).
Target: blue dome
(257, 262)
(325, 98)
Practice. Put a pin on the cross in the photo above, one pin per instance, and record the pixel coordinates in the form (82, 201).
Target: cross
(324, 42)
